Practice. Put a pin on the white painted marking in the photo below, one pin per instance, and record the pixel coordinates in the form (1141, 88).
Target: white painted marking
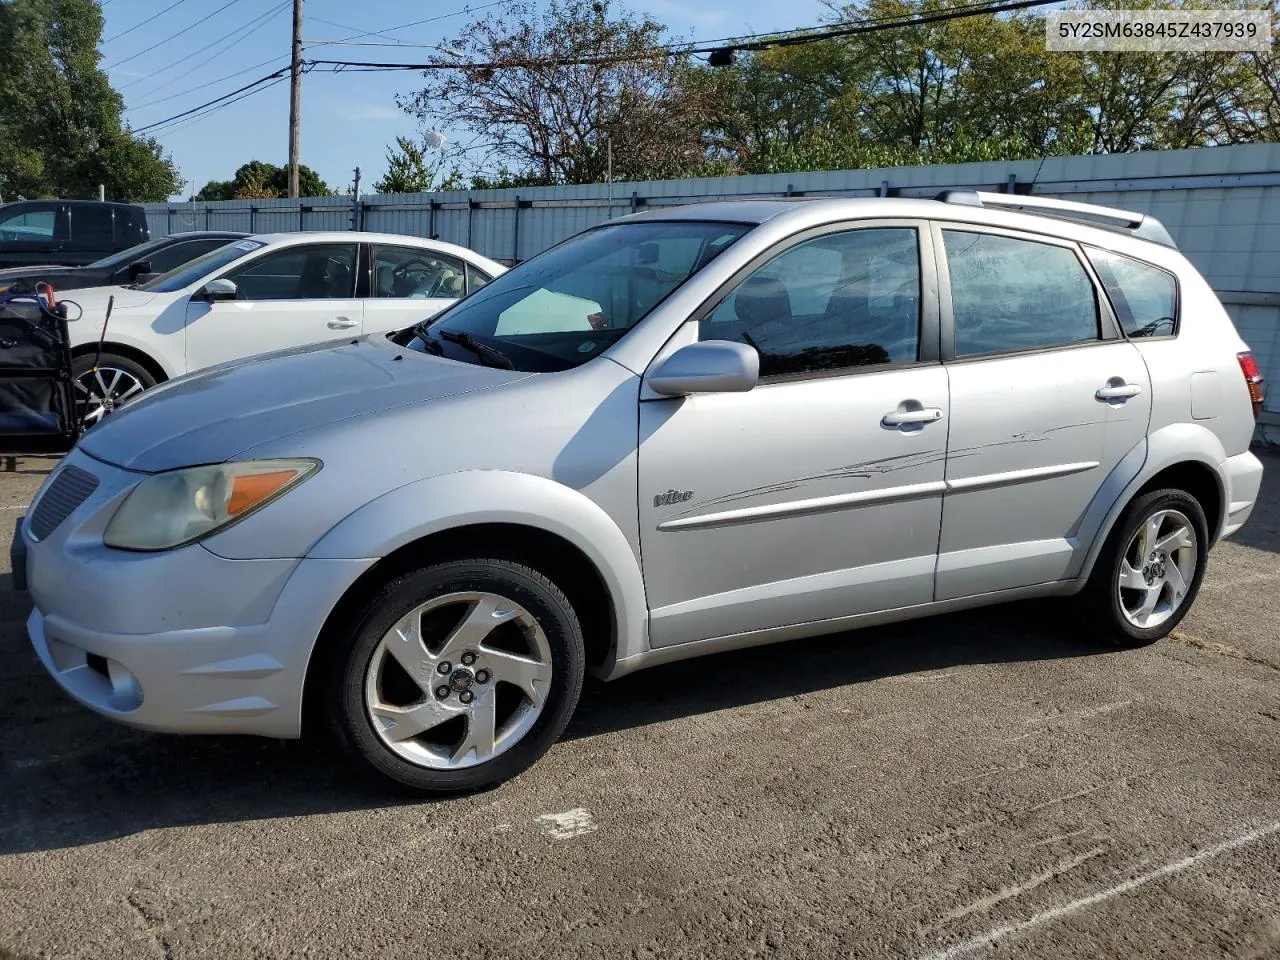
(567, 825)
(15, 506)
(1047, 916)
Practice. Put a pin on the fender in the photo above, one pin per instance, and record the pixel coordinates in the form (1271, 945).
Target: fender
(1166, 447)
(124, 339)
(467, 497)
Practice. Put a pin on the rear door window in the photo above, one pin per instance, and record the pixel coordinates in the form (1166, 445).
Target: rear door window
(92, 228)
(1145, 298)
(1010, 294)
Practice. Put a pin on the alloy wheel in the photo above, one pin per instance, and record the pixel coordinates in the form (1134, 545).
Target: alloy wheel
(1158, 568)
(458, 680)
(102, 390)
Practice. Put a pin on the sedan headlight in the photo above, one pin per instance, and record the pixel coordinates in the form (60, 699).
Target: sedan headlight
(175, 508)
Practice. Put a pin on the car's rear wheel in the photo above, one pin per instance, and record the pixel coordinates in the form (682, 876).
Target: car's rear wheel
(103, 387)
(1150, 569)
(457, 676)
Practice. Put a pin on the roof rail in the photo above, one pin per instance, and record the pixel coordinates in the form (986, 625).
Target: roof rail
(1137, 224)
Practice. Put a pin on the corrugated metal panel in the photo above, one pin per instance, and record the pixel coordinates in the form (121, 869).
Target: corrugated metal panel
(1222, 205)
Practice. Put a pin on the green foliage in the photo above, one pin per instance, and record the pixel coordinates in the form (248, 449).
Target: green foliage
(416, 167)
(60, 121)
(257, 180)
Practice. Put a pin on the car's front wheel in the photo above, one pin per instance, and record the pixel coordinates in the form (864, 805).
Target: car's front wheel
(104, 386)
(457, 676)
(1149, 571)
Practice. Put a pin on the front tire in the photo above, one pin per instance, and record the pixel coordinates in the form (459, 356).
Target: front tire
(1150, 569)
(100, 391)
(458, 676)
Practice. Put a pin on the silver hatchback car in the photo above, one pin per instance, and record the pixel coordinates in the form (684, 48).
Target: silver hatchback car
(680, 432)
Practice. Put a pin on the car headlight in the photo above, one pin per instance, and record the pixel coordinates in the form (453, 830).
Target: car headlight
(181, 506)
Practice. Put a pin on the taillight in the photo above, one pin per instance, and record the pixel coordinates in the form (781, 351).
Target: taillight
(1253, 378)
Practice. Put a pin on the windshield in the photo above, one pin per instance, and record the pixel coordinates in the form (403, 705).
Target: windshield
(137, 252)
(566, 305)
(189, 273)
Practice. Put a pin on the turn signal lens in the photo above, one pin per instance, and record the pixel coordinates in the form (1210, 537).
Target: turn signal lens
(179, 507)
(1253, 379)
(249, 491)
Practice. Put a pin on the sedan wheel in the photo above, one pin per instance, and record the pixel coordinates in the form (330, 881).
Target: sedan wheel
(102, 389)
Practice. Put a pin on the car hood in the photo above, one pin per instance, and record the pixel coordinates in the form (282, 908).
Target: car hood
(210, 416)
(93, 300)
(62, 274)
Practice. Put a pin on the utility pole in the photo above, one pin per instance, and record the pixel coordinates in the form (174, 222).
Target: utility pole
(355, 202)
(295, 98)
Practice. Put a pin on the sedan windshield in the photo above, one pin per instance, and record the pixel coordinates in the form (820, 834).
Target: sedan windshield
(200, 267)
(566, 305)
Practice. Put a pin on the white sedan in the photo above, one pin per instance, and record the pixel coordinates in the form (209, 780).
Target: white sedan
(262, 293)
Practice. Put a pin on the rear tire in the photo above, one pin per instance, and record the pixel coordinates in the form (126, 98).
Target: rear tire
(117, 381)
(1149, 571)
(456, 677)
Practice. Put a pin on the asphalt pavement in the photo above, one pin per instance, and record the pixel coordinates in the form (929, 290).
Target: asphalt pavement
(990, 784)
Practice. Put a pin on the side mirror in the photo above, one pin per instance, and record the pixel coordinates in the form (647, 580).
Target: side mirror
(220, 289)
(713, 366)
(138, 268)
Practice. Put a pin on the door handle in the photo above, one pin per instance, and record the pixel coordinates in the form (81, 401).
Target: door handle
(1117, 389)
(899, 418)
(341, 323)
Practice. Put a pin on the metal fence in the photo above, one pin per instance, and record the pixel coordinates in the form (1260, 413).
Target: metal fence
(1221, 204)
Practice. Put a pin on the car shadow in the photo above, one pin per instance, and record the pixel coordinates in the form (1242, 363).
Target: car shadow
(72, 778)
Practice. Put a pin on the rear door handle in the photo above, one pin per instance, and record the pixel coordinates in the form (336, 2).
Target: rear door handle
(1117, 389)
(899, 418)
(341, 323)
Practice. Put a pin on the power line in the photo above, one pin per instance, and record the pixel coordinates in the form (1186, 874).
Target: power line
(789, 39)
(183, 60)
(169, 39)
(417, 23)
(143, 23)
(226, 96)
(201, 86)
(347, 26)
(193, 120)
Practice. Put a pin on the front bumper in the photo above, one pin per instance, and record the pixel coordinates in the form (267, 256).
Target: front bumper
(182, 641)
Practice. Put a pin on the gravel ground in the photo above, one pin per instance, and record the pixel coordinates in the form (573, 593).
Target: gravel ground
(987, 784)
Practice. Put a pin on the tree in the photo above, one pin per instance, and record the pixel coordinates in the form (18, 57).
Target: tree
(418, 167)
(60, 121)
(979, 88)
(257, 180)
(550, 121)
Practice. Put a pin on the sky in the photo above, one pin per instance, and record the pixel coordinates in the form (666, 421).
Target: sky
(168, 56)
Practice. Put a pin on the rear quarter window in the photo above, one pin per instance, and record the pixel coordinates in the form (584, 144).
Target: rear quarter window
(1144, 297)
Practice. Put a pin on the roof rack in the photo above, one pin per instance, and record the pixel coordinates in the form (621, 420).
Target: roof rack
(1136, 224)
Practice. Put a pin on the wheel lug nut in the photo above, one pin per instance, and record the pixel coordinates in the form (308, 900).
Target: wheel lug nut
(442, 692)
(445, 667)
(482, 676)
(466, 696)
(468, 659)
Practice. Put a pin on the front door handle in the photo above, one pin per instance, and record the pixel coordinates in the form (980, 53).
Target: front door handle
(341, 323)
(1117, 389)
(900, 418)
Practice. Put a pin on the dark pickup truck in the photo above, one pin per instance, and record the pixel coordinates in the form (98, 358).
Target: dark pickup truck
(67, 232)
(135, 265)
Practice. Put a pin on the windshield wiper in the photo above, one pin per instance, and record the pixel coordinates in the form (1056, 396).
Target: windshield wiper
(482, 350)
